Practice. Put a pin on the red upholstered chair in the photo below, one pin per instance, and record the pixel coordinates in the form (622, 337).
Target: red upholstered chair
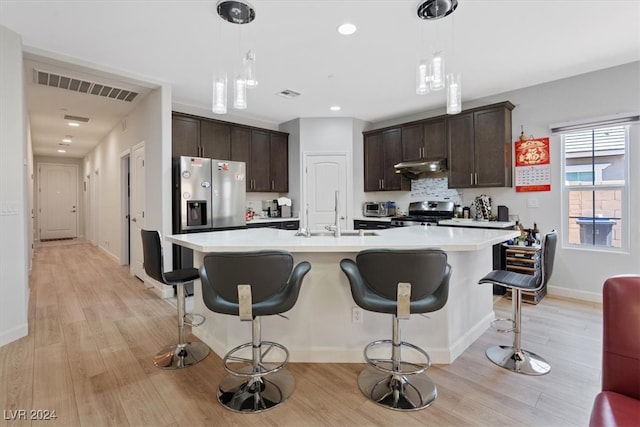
(618, 404)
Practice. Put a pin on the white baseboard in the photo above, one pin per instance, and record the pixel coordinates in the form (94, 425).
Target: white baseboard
(110, 254)
(574, 293)
(14, 334)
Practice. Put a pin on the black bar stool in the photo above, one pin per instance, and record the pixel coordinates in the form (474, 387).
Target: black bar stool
(515, 358)
(182, 354)
(398, 282)
(251, 285)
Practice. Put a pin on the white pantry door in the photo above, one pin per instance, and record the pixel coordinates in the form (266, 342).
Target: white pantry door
(58, 201)
(137, 211)
(325, 174)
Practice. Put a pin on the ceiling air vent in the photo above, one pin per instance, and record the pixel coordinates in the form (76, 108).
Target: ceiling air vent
(83, 86)
(288, 93)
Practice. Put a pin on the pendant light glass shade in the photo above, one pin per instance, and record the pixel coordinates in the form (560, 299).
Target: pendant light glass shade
(454, 93)
(219, 94)
(436, 72)
(240, 93)
(249, 66)
(422, 78)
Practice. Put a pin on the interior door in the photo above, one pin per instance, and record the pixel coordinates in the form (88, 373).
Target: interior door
(325, 174)
(137, 210)
(58, 201)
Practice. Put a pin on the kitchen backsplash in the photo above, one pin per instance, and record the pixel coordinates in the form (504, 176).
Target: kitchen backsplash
(434, 189)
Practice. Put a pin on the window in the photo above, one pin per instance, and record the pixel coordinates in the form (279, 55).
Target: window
(595, 186)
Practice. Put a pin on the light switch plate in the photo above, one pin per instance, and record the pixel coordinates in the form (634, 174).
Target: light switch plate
(532, 202)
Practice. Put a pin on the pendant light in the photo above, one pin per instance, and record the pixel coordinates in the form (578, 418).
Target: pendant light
(454, 93)
(220, 93)
(437, 78)
(236, 12)
(249, 69)
(422, 77)
(454, 83)
(436, 72)
(240, 93)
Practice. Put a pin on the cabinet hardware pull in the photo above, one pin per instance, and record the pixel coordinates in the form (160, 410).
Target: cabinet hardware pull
(476, 175)
(272, 185)
(471, 178)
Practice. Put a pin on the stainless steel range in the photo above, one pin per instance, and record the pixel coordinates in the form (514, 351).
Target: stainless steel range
(425, 213)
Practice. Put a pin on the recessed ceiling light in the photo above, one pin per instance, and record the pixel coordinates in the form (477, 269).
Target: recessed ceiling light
(74, 124)
(335, 108)
(347, 29)
(66, 139)
(62, 151)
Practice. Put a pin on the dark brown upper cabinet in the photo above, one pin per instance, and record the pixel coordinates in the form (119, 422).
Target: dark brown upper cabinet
(279, 162)
(185, 136)
(480, 147)
(425, 140)
(199, 137)
(382, 150)
(265, 152)
(215, 140)
(266, 156)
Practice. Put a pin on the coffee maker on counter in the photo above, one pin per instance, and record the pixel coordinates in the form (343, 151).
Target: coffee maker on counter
(271, 208)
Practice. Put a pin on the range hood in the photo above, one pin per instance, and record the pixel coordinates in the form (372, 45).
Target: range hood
(421, 168)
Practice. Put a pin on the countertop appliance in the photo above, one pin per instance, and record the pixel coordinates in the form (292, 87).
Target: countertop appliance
(379, 209)
(425, 213)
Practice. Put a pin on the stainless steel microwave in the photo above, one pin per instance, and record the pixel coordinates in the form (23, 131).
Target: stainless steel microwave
(379, 209)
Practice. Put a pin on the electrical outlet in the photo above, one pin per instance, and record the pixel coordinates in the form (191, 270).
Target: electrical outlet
(356, 315)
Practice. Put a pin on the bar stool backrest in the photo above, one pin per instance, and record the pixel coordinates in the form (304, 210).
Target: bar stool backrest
(382, 269)
(152, 255)
(548, 255)
(266, 271)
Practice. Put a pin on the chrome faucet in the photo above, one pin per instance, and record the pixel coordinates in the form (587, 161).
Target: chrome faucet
(336, 223)
(305, 231)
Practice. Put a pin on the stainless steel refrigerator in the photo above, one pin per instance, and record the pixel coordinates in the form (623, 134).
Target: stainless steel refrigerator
(212, 194)
(209, 195)
(228, 194)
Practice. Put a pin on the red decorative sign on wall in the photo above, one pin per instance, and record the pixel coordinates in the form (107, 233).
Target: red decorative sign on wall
(533, 165)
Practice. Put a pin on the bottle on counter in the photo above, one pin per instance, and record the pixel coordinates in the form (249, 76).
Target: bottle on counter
(536, 233)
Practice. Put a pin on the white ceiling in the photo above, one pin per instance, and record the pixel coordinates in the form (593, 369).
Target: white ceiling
(497, 45)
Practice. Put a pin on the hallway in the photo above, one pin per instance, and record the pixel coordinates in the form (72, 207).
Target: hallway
(93, 330)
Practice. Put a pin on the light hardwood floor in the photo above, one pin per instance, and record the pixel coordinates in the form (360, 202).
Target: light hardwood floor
(93, 330)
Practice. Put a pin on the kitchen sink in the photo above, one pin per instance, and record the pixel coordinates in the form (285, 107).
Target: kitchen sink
(344, 233)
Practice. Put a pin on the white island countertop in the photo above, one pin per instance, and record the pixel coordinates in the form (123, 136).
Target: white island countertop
(321, 327)
(446, 238)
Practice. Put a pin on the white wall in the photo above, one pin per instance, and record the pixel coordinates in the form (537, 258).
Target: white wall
(150, 123)
(295, 166)
(14, 203)
(578, 273)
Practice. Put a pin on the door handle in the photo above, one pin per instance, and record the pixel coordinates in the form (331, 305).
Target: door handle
(73, 211)
(133, 220)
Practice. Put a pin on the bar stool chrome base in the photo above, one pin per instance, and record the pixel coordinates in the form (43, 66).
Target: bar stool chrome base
(522, 362)
(256, 394)
(399, 392)
(179, 356)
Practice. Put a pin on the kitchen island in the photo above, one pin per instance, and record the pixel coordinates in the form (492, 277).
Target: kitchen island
(321, 327)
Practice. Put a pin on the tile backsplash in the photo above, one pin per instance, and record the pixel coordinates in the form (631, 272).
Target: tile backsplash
(434, 189)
